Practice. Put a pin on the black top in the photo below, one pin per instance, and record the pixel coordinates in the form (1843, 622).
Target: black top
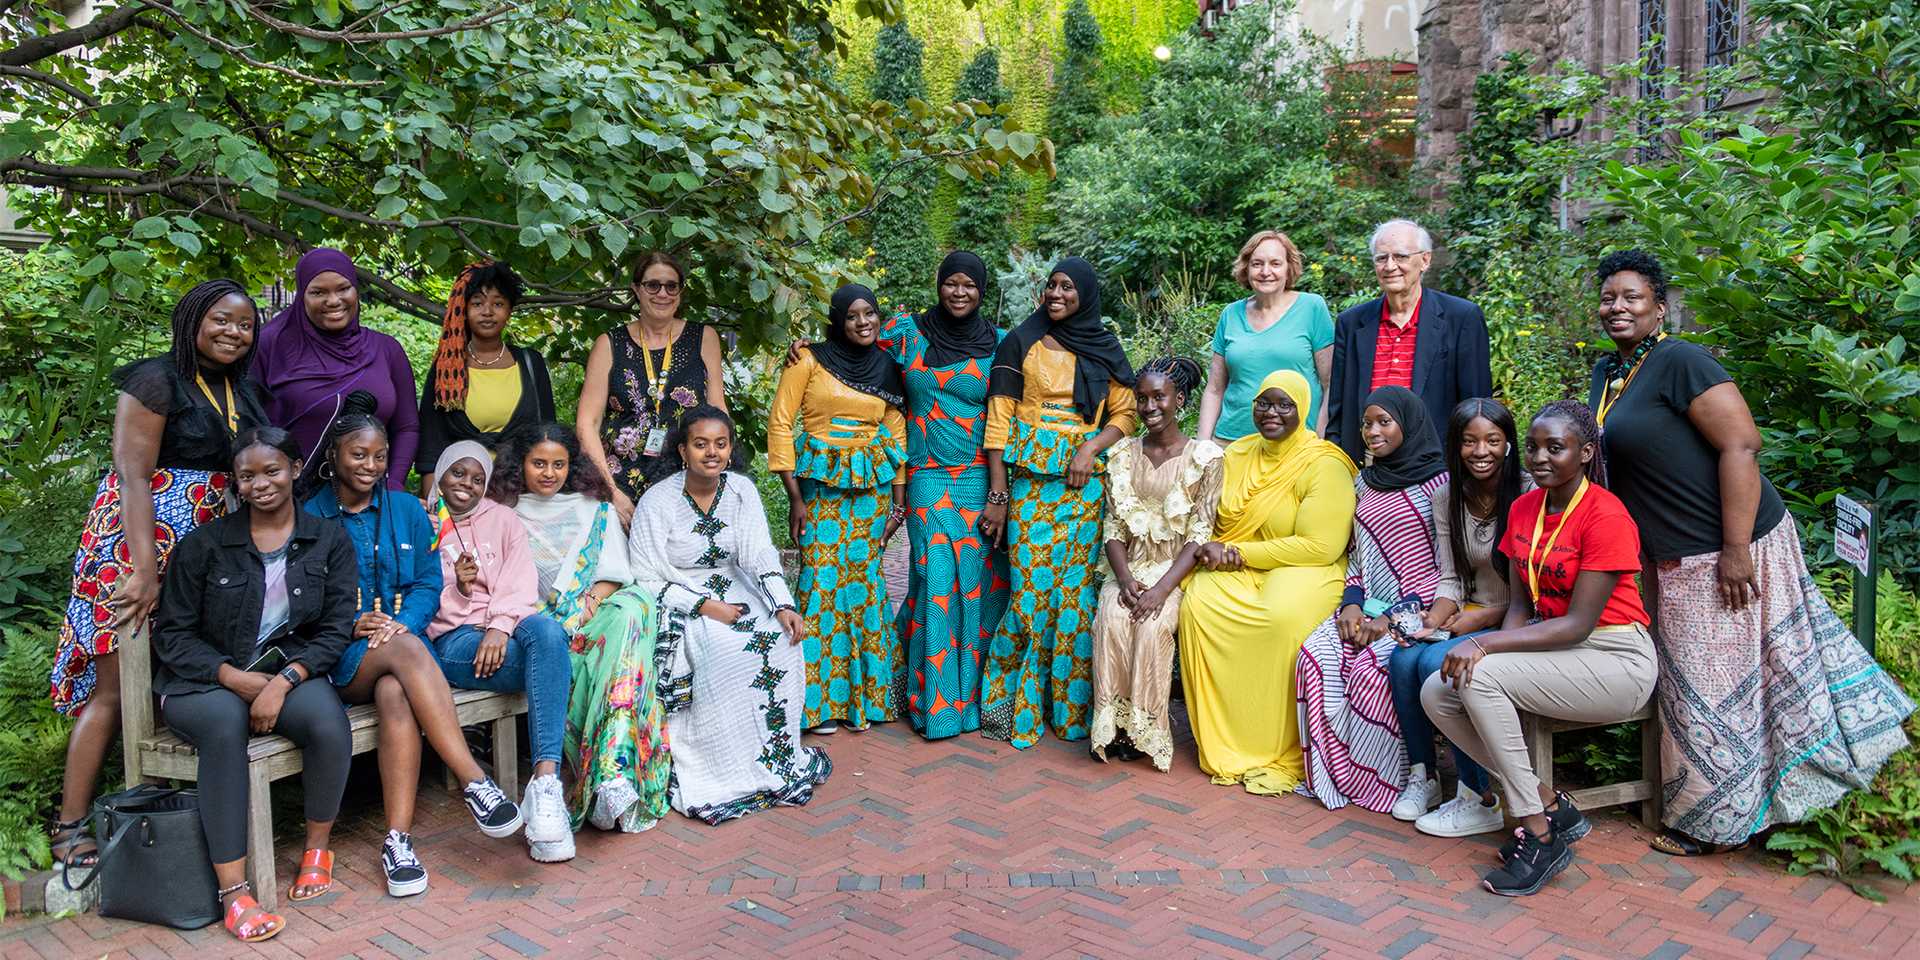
(1449, 363)
(630, 408)
(196, 436)
(1660, 464)
(210, 603)
(440, 429)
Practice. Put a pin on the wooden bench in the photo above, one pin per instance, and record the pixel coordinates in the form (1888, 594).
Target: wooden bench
(156, 753)
(1645, 791)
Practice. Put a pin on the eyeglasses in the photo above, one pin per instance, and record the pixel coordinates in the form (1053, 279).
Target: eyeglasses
(1397, 259)
(660, 286)
(1262, 405)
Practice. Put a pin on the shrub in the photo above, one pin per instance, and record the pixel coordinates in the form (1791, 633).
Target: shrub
(901, 236)
(1075, 113)
(33, 746)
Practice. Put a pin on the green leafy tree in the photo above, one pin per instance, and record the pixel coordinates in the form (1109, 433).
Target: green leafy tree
(1077, 107)
(198, 138)
(983, 216)
(902, 240)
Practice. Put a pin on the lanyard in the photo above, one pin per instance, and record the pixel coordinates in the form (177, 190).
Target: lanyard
(1533, 563)
(1617, 388)
(656, 383)
(232, 412)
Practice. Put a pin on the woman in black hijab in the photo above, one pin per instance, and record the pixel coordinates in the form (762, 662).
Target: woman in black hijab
(847, 495)
(1061, 394)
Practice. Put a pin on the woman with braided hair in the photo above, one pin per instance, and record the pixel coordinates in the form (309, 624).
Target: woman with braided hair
(481, 388)
(173, 433)
(1162, 491)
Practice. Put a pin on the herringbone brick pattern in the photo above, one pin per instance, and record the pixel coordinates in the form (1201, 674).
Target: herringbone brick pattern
(966, 848)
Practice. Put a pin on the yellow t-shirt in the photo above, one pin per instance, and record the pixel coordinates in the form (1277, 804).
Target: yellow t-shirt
(491, 397)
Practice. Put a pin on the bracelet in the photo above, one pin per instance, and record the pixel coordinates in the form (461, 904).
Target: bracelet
(291, 676)
(1477, 646)
(999, 497)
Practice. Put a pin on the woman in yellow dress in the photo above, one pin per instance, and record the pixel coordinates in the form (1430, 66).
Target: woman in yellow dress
(1271, 574)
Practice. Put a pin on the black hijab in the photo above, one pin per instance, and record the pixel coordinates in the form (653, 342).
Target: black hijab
(1098, 356)
(1419, 457)
(951, 339)
(867, 369)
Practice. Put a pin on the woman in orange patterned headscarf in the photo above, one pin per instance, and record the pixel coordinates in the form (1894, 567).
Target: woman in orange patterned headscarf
(481, 388)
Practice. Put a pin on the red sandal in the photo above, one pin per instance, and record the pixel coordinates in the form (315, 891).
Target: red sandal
(261, 925)
(316, 869)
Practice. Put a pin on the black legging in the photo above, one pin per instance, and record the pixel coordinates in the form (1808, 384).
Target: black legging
(216, 723)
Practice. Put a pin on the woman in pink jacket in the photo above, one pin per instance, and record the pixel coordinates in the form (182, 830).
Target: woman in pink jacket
(487, 636)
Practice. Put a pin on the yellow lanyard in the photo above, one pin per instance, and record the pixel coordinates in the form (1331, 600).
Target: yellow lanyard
(1533, 563)
(232, 412)
(1615, 389)
(656, 383)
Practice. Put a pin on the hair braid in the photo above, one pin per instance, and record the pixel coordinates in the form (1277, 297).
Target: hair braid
(190, 312)
(1179, 371)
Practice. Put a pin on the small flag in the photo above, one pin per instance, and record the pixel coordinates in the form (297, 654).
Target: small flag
(442, 522)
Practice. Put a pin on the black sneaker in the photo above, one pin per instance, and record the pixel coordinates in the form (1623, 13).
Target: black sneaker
(1568, 824)
(1533, 863)
(496, 815)
(405, 876)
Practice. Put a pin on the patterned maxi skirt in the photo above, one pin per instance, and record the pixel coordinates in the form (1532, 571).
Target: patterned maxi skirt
(1767, 713)
(1040, 664)
(956, 597)
(616, 745)
(1351, 736)
(852, 651)
(182, 501)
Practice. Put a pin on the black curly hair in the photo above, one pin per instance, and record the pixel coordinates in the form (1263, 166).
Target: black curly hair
(509, 465)
(1179, 371)
(1636, 261)
(191, 312)
(705, 411)
(497, 277)
(1580, 417)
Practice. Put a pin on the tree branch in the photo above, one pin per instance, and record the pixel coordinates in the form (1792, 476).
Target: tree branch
(241, 55)
(35, 49)
(28, 73)
(348, 37)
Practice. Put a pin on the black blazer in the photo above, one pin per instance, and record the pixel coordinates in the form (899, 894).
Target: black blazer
(209, 611)
(1449, 363)
(440, 429)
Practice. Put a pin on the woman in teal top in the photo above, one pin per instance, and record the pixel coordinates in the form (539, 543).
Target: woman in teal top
(1278, 328)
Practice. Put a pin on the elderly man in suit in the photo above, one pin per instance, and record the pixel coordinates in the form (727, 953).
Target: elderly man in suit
(1430, 342)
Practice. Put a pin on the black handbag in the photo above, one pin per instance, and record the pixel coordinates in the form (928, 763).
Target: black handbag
(154, 866)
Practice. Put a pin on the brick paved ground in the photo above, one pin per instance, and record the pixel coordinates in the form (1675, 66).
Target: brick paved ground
(967, 849)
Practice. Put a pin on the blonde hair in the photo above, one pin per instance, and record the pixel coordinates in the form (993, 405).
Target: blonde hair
(1294, 263)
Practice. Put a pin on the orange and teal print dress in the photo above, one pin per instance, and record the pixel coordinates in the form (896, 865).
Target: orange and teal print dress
(1039, 673)
(845, 453)
(957, 585)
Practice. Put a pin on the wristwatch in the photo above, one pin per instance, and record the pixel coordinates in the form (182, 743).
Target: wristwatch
(292, 676)
(998, 497)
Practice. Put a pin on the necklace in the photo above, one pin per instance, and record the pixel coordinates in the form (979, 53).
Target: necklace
(1621, 372)
(490, 361)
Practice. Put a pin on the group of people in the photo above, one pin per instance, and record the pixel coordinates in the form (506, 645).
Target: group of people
(1359, 553)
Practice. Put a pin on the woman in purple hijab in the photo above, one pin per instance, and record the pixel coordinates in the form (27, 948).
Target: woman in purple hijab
(315, 352)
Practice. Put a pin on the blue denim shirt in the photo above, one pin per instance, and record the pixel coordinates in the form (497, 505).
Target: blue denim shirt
(405, 574)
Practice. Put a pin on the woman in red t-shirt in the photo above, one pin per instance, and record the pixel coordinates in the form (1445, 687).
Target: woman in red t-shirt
(1574, 645)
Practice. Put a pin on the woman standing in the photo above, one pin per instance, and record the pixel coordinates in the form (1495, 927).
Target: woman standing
(640, 378)
(242, 650)
(1742, 629)
(735, 684)
(481, 388)
(1286, 509)
(1162, 492)
(957, 587)
(316, 352)
(1278, 328)
(616, 745)
(387, 662)
(1061, 394)
(173, 433)
(1353, 745)
(846, 393)
(1574, 645)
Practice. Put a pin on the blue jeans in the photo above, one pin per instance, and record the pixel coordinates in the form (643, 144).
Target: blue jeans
(1409, 668)
(539, 663)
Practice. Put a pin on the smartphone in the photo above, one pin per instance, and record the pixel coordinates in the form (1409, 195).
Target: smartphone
(270, 661)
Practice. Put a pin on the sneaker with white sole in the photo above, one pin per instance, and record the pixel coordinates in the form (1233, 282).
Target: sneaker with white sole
(405, 875)
(547, 820)
(1418, 797)
(1463, 816)
(827, 729)
(496, 815)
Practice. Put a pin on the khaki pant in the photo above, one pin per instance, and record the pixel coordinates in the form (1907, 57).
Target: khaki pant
(1602, 679)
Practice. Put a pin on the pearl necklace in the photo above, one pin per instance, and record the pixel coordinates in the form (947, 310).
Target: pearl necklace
(488, 362)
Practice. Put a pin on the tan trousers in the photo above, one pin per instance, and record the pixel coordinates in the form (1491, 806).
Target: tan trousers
(1605, 678)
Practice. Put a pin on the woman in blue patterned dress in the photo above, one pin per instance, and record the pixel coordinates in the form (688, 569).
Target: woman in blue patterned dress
(1061, 394)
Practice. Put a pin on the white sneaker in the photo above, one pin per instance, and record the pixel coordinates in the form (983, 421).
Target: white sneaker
(1419, 796)
(545, 805)
(1463, 816)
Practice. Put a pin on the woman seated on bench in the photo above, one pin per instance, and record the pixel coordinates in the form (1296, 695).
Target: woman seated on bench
(487, 636)
(1574, 645)
(255, 605)
(386, 663)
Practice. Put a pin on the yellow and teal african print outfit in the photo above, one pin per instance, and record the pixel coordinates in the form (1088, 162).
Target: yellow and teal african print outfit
(846, 453)
(1039, 671)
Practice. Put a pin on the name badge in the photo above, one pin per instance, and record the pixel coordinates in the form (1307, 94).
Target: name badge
(656, 442)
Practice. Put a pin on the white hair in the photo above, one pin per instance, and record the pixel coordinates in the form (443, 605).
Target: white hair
(1421, 237)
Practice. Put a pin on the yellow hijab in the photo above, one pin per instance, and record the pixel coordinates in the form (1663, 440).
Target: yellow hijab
(1259, 473)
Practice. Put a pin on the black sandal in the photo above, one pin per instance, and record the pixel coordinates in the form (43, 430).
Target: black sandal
(67, 835)
(1673, 843)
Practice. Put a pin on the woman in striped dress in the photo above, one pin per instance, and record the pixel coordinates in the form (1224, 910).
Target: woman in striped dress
(1353, 747)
